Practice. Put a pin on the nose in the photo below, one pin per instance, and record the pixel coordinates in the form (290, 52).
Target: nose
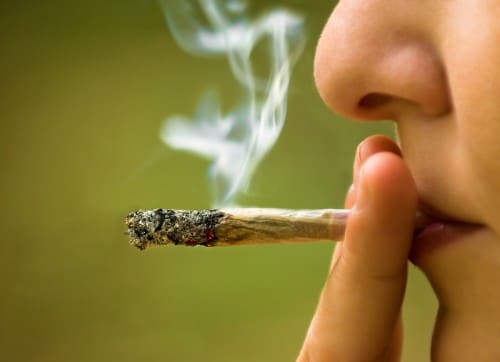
(374, 61)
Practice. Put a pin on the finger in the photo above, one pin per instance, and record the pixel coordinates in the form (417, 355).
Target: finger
(365, 149)
(368, 147)
(358, 310)
(395, 346)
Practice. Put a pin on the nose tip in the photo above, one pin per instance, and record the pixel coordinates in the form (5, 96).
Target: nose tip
(367, 69)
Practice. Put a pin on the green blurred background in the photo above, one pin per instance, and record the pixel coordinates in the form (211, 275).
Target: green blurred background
(85, 87)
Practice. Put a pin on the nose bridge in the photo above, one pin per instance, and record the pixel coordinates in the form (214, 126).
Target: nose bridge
(372, 60)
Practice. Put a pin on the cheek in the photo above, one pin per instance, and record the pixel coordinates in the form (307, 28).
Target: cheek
(481, 151)
(472, 58)
(477, 107)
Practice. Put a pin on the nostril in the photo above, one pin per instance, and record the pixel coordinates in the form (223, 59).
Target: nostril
(378, 106)
(374, 100)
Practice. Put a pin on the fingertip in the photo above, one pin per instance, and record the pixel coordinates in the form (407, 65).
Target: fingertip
(389, 180)
(377, 143)
(370, 146)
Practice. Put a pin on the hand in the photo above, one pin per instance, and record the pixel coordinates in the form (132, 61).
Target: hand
(358, 317)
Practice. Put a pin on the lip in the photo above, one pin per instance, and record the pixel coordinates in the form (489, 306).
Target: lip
(440, 233)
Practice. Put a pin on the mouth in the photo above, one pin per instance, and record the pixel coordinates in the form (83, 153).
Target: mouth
(439, 232)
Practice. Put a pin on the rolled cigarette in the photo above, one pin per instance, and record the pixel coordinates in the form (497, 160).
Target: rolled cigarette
(237, 226)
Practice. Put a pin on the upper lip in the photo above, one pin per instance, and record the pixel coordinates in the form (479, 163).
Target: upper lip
(434, 215)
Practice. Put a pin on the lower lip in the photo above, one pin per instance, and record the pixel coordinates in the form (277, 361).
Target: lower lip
(439, 235)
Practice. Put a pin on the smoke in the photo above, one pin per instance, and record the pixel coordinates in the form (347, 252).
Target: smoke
(237, 141)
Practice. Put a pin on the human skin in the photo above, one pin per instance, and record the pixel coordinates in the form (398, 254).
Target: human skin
(433, 67)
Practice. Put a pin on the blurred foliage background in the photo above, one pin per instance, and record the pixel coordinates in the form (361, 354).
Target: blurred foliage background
(85, 87)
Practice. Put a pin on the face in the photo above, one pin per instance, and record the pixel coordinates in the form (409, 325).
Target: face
(434, 68)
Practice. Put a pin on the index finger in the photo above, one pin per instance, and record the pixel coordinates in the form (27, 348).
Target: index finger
(360, 303)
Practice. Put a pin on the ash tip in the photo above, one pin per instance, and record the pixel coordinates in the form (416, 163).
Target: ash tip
(141, 227)
(179, 227)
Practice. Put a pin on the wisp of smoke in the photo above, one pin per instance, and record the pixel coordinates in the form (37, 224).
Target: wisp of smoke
(235, 142)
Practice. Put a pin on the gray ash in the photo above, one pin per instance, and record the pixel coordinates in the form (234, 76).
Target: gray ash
(179, 227)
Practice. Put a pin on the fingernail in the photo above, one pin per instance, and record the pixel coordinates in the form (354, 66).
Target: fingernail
(360, 157)
(350, 199)
(363, 191)
(352, 189)
(361, 152)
